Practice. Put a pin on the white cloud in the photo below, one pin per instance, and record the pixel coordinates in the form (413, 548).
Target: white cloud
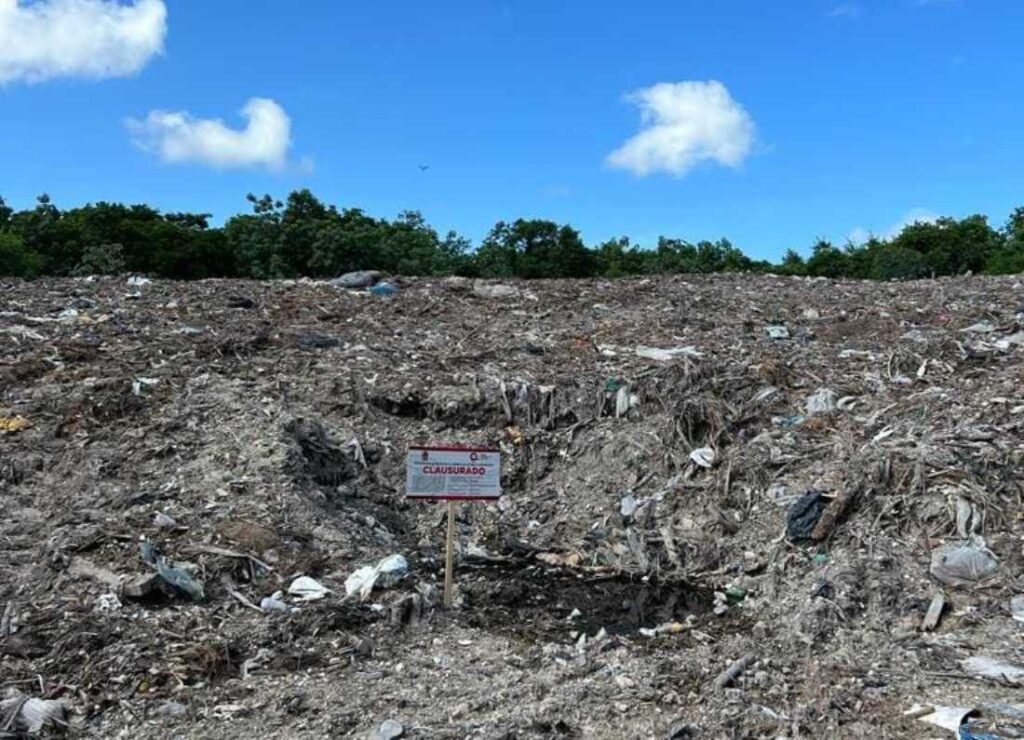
(914, 215)
(78, 38)
(175, 136)
(685, 124)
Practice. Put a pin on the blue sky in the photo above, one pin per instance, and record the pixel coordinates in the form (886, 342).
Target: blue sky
(827, 119)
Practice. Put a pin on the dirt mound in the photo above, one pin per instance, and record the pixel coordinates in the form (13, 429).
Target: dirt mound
(701, 474)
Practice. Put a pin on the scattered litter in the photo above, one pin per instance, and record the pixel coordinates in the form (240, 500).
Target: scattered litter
(305, 588)
(1017, 607)
(993, 668)
(982, 327)
(777, 331)
(137, 281)
(966, 564)
(275, 603)
(385, 573)
(384, 289)
(822, 401)
(317, 341)
(948, 718)
(177, 577)
(164, 521)
(108, 603)
(703, 456)
(934, 613)
(170, 710)
(803, 516)
(11, 424)
(358, 279)
(389, 730)
(29, 715)
(139, 385)
(627, 508)
(667, 355)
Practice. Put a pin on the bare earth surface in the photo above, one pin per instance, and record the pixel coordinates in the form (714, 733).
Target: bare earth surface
(256, 432)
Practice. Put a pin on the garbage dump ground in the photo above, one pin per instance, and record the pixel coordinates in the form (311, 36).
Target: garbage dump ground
(734, 506)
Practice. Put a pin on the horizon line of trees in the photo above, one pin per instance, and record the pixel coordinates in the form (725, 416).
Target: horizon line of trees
(302, 236)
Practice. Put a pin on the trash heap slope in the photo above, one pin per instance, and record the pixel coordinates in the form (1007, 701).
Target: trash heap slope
(814, 483)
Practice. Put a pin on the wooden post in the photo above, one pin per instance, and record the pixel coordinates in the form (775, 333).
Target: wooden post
(449, 559)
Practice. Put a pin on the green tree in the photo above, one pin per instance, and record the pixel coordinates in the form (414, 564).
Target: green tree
(16, 259)
(827, 260)
(535, 249)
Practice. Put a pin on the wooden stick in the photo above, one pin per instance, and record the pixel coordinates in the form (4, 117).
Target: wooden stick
(449, 559)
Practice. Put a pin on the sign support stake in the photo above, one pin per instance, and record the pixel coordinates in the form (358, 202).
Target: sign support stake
(449, 559)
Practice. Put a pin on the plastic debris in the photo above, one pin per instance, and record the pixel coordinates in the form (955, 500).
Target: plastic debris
(965, 564)
(139, 385)
(275, 603)
(385, 573)
(317, 341)
(358, 279)
(164, 521)
(948, 718)
(305, 588)
(627, 508)
(998, 670)
(137, 281)
(384, 289)
(777, 331)
(177, 577)
(703, 456)
(1017, 607)
(30, 715)
(982, 327)
(803, 516)
(822, 401)
(170, 710)
(108, 603)
(389, 730)
(11, 424)
(667, 355)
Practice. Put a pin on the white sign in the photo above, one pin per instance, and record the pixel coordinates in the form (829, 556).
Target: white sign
(453, 473)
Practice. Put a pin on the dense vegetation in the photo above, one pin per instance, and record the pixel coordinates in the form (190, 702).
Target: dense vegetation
(303, 236)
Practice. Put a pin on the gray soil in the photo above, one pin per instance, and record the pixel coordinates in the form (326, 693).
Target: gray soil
(270, 421)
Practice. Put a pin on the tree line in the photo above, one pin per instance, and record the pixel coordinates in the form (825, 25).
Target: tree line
(303, 236)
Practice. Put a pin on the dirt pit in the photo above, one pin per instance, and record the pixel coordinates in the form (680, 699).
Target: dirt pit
(538, 604)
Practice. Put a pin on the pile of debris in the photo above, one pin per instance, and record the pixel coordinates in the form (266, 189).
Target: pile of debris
(734, 505)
